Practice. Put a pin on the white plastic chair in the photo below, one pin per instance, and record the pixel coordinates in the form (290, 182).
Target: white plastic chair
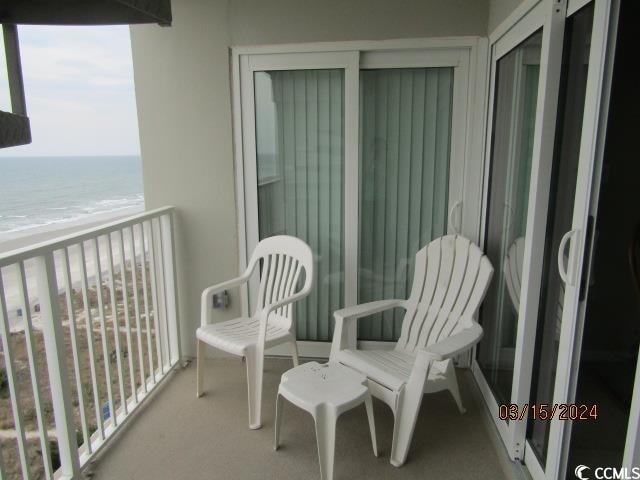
(284, 260)
(450, 281)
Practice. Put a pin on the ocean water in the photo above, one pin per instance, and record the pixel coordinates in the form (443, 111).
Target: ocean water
(40, 191)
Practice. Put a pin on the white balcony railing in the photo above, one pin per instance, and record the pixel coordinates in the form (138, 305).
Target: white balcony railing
(89, 327)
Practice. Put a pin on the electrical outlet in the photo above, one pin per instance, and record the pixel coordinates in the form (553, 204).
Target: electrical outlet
(221, 300)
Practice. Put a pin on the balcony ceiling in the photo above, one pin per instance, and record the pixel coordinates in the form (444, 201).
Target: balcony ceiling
(85, 12)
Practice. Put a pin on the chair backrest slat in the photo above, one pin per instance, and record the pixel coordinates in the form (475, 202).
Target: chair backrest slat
(284, 275)
(474, 257)
(295, 275)
(451, 277)
(264, 271)
(443, 278)
(273, 265)
(460, 252)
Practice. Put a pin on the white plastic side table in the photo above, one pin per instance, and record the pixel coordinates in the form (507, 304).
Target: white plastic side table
(325, 391)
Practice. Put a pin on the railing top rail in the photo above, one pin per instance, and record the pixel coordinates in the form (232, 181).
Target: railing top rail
(31, 251)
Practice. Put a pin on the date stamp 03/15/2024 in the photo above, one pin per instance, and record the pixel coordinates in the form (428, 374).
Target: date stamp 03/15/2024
(545, 411)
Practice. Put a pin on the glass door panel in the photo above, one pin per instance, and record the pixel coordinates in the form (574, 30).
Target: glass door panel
(611, 336)
(511, 152)
(575, 67)
(299, 122)
(405, 146)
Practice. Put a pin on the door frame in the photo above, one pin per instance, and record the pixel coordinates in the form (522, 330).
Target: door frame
(468, 55)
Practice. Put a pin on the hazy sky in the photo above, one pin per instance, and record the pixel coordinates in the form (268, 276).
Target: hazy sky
(79, 89)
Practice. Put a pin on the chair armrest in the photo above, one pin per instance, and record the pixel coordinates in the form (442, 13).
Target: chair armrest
(209, 292)
(365, 309)
(339, 341)
(264, 313)
(267, 309)
(454, 345)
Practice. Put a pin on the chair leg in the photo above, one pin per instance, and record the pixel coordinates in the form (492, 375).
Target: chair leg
(254, 387)
(325, 420)
(406, 415)
(279, 412)
(199, 368)
(372, 424)
(452, 386)
(294, 353)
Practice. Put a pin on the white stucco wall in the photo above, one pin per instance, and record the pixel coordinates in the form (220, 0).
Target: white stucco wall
(288, 21)
(184, 107)
(500, 10)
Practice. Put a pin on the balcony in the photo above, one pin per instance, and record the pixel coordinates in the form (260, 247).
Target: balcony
(72, 384)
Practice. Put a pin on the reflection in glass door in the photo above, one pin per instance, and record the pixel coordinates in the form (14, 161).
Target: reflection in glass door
(405, 146)
(511, 151)
(299, 121)
(575, 67)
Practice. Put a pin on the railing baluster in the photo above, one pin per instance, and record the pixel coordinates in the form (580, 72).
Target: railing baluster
(116, 329)
(3, 475)
(134, 274)
(162, 294)
(103, 329)
(145, 293)
(7, 348)
(166, 223)
(90, 341)
(57, 365)
(68, 285)
(154, 298)
(35, 374)
(127, 319)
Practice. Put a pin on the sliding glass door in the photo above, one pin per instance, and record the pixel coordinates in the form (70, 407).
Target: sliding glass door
(547, 78)
(607, 368)
(362, 158)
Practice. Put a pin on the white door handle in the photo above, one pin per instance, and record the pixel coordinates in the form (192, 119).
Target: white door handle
(565, 274)
(452, 211)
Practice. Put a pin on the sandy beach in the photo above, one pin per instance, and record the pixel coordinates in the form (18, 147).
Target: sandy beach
(10, 242)
(13, 241)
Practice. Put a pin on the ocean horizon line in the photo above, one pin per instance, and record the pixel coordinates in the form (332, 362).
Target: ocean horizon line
(73, 156)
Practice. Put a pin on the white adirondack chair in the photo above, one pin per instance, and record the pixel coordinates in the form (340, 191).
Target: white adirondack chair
(450, 281)
(284, 260)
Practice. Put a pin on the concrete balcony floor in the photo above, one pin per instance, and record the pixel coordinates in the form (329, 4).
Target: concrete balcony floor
(177, 436)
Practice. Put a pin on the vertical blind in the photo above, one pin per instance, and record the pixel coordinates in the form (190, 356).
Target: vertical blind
(300, 155)
(405, 137)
